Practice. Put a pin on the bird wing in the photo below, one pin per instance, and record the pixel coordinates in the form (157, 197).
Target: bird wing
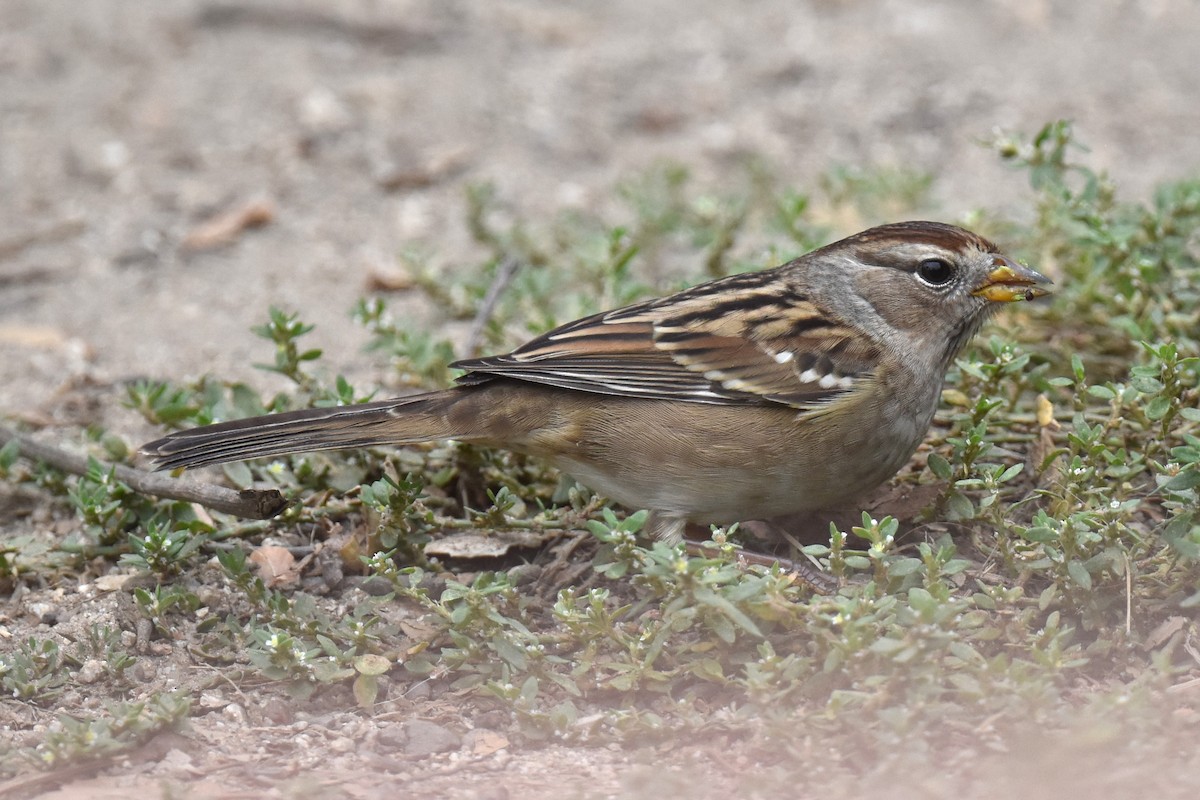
(734, 341)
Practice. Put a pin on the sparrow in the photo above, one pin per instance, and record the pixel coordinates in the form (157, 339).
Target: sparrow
(753, 396)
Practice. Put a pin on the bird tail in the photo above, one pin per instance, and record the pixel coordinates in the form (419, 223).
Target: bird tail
(405, 420)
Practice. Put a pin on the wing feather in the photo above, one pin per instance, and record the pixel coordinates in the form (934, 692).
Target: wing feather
(737, 340)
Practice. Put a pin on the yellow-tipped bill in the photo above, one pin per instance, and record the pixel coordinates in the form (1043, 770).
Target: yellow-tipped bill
(1010, 282)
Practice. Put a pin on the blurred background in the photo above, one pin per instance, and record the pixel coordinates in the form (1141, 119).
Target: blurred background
(169, 169)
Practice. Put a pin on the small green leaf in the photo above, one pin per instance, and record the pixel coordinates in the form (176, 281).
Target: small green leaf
(984, 601)
(940, 466)
(372, 664)
(366, 690)
(960, 506)
(732, 612)
(1010, 473)
(1079, 574)
(1158, 407)
(1145, 384)
(1040, 534)
(1187, 479)
(921, 600)
(709, 669)
(901, 567)
(887, 646)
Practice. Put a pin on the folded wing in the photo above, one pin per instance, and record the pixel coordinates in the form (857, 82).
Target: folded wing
(733, 341)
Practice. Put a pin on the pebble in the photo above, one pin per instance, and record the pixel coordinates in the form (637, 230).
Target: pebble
(91, 671)
(426, 738)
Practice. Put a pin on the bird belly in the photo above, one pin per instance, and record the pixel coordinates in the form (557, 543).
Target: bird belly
(720, 464)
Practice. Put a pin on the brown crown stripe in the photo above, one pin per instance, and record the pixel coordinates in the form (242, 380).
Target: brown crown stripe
(937, 233)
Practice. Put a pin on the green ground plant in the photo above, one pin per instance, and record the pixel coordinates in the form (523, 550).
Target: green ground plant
(1059, 551)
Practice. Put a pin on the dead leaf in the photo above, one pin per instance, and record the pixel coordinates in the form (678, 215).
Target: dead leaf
(482, 742)
(1045, 413)
(276, 566)
(389, 279)
(202, 514)
(1165, 630)
(419, 630)
(905, 502)
(39, 337)
(493, 544)
(113, 582)
(351, 546)
(225, 228)
(423, 170)
(1039, 452)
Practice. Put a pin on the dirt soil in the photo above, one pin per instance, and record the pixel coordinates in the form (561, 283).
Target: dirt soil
(326, 137)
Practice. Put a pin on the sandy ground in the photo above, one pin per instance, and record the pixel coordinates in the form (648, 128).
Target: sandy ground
(125, 126)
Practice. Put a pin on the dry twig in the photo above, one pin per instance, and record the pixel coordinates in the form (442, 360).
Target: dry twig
(252, 503)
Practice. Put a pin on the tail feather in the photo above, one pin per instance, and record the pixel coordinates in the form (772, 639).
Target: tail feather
(404, 420)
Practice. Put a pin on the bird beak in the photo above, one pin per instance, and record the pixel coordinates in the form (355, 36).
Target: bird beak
(1009, 282)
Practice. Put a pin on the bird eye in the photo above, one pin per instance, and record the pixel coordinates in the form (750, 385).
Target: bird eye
(935, 272)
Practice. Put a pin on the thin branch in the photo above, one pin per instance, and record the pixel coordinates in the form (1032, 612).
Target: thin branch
(251, 503)
(56, 231)
(504, 275)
